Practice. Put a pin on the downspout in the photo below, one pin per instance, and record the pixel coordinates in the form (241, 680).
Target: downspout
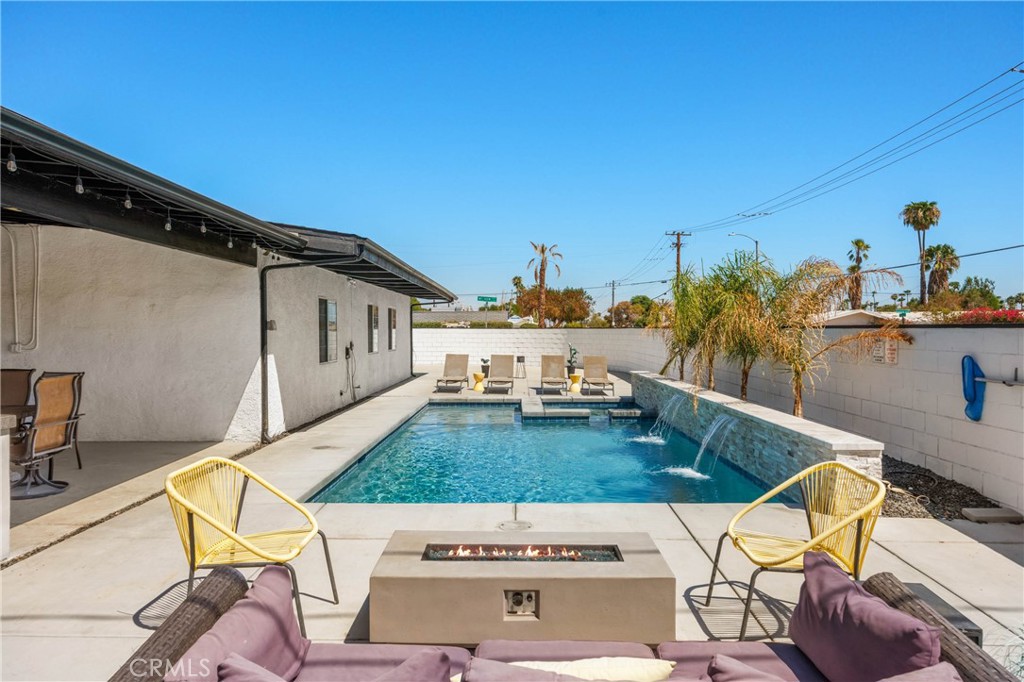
(264, 336)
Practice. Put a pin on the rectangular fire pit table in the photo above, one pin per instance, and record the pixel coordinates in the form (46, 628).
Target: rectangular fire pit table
(464, 587)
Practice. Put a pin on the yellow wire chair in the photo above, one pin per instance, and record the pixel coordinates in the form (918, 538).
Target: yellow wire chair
(206, 500)
(842, 506)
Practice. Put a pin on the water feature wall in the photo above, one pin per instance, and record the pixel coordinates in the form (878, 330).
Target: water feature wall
(770, 444)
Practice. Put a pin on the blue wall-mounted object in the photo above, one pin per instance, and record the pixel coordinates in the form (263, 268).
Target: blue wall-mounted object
(974, 388)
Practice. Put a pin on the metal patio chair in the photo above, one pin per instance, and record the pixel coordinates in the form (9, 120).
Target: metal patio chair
(206, 499)
(842, 506)
(15, 386)
(52, 430)
(456, 370)
(502, 373)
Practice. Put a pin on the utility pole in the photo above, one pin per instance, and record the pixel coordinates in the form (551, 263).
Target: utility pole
(612, 285)
(679, 245)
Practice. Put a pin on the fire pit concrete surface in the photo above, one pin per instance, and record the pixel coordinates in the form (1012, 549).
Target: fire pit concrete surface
(465, 587)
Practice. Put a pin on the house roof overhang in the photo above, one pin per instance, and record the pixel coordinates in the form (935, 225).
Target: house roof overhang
(370, 263)
(43, 190)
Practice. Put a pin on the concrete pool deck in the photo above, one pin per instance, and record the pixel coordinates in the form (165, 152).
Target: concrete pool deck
(87, 598)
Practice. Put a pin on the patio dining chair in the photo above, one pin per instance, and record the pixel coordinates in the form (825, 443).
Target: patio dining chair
(502, 373)
(15, 386)
(206, 500)
(52, 430)
(842, 506)
(552, 371)
(595, 373)
(456, 370)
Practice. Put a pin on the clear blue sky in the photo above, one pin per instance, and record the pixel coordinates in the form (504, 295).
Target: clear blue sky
(453, 134)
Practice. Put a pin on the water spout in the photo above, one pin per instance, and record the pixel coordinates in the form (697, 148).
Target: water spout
(720, 427)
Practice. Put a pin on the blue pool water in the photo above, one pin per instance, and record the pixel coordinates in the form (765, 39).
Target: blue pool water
(488, 454)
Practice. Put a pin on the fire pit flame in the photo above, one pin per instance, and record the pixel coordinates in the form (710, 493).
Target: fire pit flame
(522, 553)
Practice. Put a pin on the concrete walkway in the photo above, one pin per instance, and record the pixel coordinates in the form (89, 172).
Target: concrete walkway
(91, 597)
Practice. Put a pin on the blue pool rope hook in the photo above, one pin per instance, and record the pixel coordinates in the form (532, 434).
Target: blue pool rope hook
(974, 388)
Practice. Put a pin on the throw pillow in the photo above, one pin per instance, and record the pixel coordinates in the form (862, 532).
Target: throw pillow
(429, 665)
(727, 669)
(623, 668)
(851, 635)
(486, 670)
(943, 672)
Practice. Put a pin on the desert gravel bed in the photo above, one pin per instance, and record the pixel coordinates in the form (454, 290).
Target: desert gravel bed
(916, 492)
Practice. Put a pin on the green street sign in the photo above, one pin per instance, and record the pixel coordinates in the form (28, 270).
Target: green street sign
(903, 311)
(487, 299)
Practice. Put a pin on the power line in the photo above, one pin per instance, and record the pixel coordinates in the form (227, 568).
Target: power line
(773, 207)
(917, 263)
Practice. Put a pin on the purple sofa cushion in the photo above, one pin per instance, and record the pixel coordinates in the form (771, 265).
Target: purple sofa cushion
(784, 661)
(427, 665)
(487, 670)
(260, 627)
(338, 662)
(238, 669)
(850, 634)
(943, 672)
(724, 668)
(507, 650)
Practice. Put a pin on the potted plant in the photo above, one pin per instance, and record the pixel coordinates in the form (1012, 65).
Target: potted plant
(571, 365)
(485, 366)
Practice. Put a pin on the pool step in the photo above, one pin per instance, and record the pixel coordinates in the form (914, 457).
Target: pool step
(631, 413)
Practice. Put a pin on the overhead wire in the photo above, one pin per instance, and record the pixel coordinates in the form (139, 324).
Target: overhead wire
(774, 206)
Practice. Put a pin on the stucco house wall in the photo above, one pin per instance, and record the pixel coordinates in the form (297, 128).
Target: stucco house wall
(301, 387)
(168, 340)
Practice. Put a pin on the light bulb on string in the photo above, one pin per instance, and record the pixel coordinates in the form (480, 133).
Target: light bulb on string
(127, 200)
(12, 163)
(202, 226)
(79, 187)
(167, 225)
(231, 244)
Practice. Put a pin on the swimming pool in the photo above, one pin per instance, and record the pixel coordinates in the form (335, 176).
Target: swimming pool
(489, 454)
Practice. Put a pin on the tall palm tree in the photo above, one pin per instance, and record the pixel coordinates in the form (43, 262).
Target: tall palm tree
(539, 263)
(942, 261)
(921, 215)
(857, 255)
(517, 289)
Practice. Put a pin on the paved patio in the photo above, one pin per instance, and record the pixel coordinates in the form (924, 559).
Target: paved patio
(91, 597)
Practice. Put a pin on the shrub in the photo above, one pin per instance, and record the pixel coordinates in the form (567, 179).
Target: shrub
(427, 325)
(986, 316)
(490, 325)
(528, 325)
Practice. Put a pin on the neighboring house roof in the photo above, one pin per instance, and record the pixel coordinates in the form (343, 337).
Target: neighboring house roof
(49, 165)
(840, 318)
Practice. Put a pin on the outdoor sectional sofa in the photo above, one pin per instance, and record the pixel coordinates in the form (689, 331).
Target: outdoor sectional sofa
(226, 625)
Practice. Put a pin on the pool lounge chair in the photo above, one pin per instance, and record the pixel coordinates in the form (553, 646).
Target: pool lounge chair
(552, 371)
(595, 373)
(456, 371)
(502, 372)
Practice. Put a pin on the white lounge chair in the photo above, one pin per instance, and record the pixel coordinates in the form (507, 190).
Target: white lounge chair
(456, 371)
(552, 371)
(595, 373)
(502, 372)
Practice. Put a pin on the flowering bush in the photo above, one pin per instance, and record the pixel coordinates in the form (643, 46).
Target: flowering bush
(987, 316)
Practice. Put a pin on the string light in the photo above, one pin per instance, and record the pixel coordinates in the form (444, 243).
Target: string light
(167, 225)
(202, 226)
(79, 187)
(12, 163)
(127, 200)
(231, 244)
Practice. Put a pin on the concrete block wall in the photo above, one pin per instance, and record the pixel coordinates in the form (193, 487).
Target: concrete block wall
(916, 407)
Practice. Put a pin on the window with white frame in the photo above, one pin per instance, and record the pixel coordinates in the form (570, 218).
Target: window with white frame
(328, 318)
(372, 328)
(392, 329)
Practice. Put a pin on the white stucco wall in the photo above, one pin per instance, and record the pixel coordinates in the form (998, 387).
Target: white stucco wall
(168, 340)
(914, 407)
(303, 389)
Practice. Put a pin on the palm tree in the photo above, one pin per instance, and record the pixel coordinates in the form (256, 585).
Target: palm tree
(517, 288)
(540, 273)
(942, 261)
(686, 320)
(921, 215)
(798, 311)
(857, 255)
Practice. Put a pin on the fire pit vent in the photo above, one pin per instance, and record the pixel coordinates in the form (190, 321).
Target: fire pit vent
(541, 552)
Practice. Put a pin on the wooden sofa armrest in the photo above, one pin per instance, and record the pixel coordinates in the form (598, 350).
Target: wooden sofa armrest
(214, 595)
(970, 660)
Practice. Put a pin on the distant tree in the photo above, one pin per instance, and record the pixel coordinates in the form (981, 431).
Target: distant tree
(597, 321)
(553, 307)
(529, 302)
(626, 314)
(1015, 301)
(416, 304)
(575, 305)
(857, 255)
(979, 292)
(539, 263)
(921, 215)
(941, 261)
(517, 289)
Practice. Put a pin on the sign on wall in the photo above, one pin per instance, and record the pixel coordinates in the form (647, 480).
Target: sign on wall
(885, 352)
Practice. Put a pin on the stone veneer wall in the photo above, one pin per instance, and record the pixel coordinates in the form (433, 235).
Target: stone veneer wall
(771, 445)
